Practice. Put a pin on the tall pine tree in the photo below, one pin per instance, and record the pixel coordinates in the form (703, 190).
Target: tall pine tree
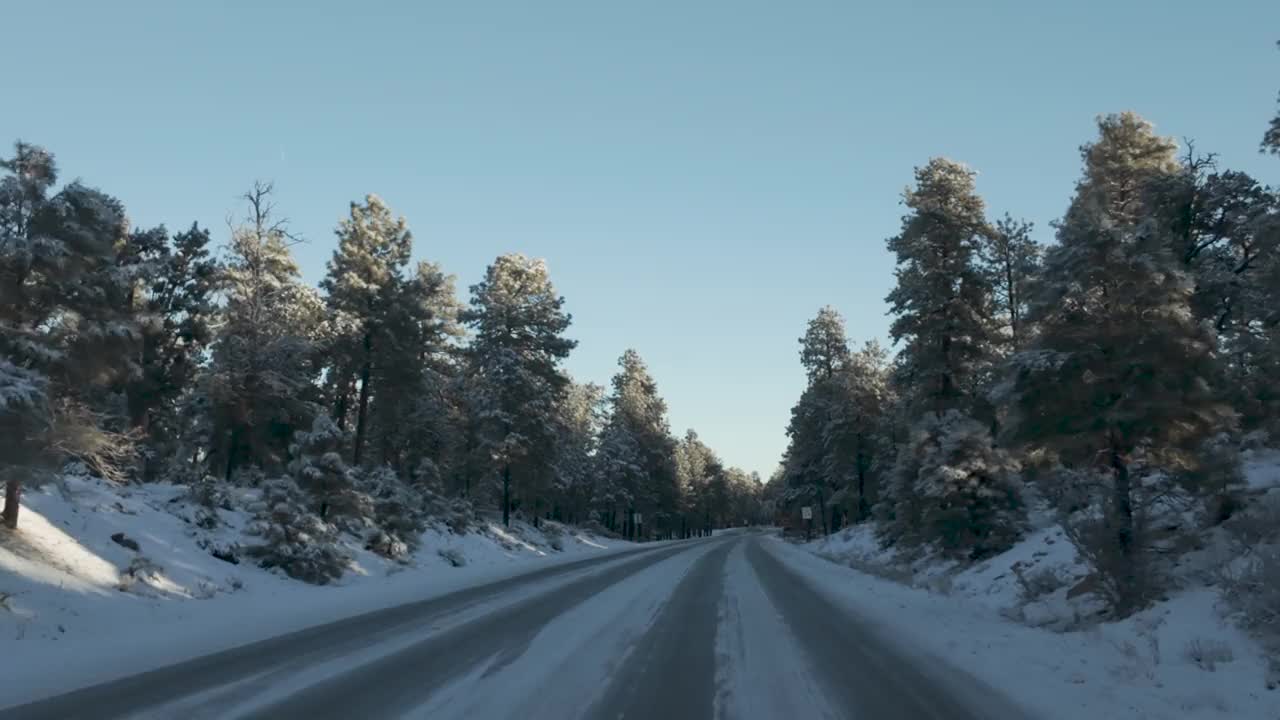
(1118, 375)
(949, 483)
(516, 382)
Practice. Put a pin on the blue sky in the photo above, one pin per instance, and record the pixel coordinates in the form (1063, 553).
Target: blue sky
(700, 176)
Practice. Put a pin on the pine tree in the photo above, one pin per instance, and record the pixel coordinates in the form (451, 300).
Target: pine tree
(292, 537)
(67, 330)
(943, 303)
(1118, 376)
(516, 380)
(408, 413)
(257, 388)
(824, 349)
(365, 285)
(695, 465)
(853, 441)
(954, 488)
(1223, 227)
(1012, 260)
(637, 449)
(177, 304)
(317, 466)
(27, 298)
(579, 419)
(810, 463)
(943, 300)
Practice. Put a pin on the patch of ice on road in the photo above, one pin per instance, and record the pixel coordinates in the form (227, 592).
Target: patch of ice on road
(567, 665)
(760, 670)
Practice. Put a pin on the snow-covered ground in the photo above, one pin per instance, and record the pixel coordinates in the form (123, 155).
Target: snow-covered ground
(81, 608)
(1023, 622)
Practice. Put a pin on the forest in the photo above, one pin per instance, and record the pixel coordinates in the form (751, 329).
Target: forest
(363, 406)
(1113, 377)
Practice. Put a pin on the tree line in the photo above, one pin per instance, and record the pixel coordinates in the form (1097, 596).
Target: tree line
(1115, 373)
(361, 405)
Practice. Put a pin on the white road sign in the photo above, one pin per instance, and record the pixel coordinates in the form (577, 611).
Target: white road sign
(806, 512)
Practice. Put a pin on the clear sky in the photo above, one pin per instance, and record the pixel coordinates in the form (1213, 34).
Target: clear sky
(700, 176)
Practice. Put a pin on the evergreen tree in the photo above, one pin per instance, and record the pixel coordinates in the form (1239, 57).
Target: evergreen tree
(257, 386)
(1223, 227)
(365, 289)
(637, 449)
(824, 349)
(853, 438)
(695, 465)
(408, 413)
(1011, 259)
(514, 365)
(177, 303)
(943, 303)
(67, 329)
(1118, 376)
(954, 488)
(579, 420)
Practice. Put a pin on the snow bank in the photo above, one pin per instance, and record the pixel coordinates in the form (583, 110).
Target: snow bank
(72, 599)
(1179, 659)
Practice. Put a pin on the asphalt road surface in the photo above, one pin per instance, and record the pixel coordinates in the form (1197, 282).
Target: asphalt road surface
(713, 628)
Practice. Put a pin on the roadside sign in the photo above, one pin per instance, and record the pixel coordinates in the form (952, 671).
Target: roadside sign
(806, 513)
(635, 518)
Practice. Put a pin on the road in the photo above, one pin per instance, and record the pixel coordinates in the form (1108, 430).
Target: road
(716, 628)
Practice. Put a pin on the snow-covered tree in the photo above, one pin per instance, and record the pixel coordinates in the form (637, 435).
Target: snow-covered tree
(365, 291)
(637, 451)
(834, 451)
(409, 415)
(176, 303)
(942, 303)
(952, 487)
(1119, 368)
(944, 308)
(257, 388)
(518, 321)
(292, 537)
(1011, 259)
(824, 349)
(1225, 229)
(855, 455)
(696, 465)
(318, 467)
(67, 328)
(579, 418)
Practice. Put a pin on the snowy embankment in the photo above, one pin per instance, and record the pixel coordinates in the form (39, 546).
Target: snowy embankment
(1026, 622)
(81, 607)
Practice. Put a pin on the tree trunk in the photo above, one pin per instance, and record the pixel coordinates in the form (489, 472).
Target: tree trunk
(820, 513)
(12, 497)
(363, 410)
(506, 495)
(862, 488)
(232, 443)
(344, 397)
(1122, 508)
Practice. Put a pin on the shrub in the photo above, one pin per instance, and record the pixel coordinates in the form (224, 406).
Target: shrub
(952, 487)
(1208, 653)
(294, 539)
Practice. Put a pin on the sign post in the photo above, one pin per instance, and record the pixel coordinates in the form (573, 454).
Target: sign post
(806, 513)
(637, 521)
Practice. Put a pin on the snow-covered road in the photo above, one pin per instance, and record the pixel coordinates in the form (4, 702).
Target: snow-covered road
(717, 628)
